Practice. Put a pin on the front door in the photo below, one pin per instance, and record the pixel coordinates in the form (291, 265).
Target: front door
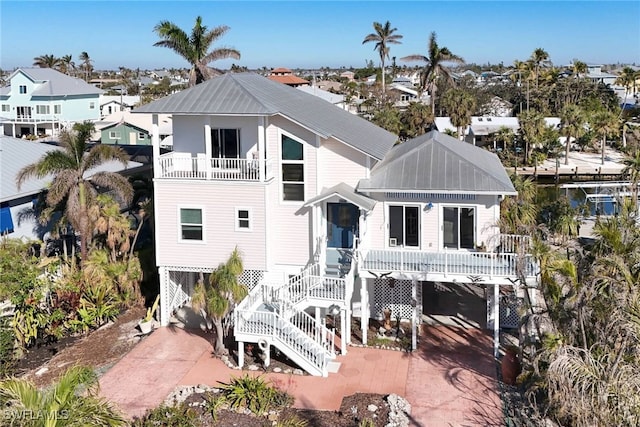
(342, 225)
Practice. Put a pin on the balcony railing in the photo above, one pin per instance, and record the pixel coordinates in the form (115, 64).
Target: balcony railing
(448, 263)
(184, 166)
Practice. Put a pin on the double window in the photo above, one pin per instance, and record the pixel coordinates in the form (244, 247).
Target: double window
(42, 109)
(459, 227)
(225, 143)
(23, 89)
(292, 169)
(191, 224)
(114, 135)
(404, 226)
(243, 219)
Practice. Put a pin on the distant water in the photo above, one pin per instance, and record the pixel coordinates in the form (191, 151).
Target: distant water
(577, 197)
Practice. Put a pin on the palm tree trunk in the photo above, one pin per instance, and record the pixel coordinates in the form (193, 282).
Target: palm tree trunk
(433, 99)
(219, 348)
(383, 78)
(604, 140)
(84, 222)
(566, 149)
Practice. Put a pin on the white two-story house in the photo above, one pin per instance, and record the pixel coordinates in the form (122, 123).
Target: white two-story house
(329, 215)
(41, 101)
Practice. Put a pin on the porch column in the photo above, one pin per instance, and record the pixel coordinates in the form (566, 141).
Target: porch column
(347, 315)
(261, 151)
(164, 300)
(322, 241)
(155, 142)
(496, 320)
(364, 310)
(414, 315)
(343, 332)
(240, 354)
(207, 148)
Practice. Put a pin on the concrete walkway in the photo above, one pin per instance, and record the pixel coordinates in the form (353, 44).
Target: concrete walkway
(450, 380)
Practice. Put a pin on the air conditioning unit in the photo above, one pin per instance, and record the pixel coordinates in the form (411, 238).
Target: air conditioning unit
(393, 242)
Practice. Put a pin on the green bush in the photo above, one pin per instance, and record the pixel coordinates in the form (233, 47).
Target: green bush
(7, 348)
(255, 394)
(292, 421)
(180, 415)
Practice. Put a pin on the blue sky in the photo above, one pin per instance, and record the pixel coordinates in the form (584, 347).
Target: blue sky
(310, 34)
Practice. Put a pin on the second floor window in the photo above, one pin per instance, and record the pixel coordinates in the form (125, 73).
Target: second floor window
(191, 225)
(57, 109)
(42, 109)
(6, 108)
(292, 169)
(23, 89)
(92, 105)
(141, 135)
(225, 143)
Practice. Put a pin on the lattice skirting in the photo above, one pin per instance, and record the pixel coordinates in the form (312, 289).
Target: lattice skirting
(510, 307)
(397, 299)
(250, 278)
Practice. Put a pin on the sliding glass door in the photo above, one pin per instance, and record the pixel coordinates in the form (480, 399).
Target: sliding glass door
(458, 227)
(404, 226)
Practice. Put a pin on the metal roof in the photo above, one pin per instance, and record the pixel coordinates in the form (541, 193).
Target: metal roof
(250, 94)
(437, 162)
(54, 83)
(346, 192)
(17, 153)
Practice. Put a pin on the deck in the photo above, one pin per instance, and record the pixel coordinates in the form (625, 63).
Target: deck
(177, 165)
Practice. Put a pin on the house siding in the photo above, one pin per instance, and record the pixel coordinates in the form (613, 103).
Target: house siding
(125, 135)
(219, 201)
(487, 213)
(340, 163)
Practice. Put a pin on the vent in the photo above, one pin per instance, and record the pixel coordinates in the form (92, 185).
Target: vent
(393, 242)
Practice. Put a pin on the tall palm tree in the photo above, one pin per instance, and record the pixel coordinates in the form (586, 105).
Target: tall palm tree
(215, 297)
(195, 48)
(604, 122)
(383, 36)
(417, 119)
(86, 65)
(434, 67)
(572, 122)
(72, 401)
(532, 128)
(539, 57)
(460, 106)
(66, 64)
(627, 79)
(46, 61)
(523, 71)
(70, 185)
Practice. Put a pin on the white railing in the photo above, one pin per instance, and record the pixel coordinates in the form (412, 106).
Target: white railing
(310, 284)
(448, 262)
(184, 166)
(512, 243)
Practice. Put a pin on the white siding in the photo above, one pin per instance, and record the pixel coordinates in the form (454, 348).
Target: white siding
(340, 163)
(219, 200)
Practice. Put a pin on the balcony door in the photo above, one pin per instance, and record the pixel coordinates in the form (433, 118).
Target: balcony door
(23, 112)
(404, 226)
(458, 227)
(225, 143)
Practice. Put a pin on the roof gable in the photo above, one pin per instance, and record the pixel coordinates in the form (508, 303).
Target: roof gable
(54, 83)
(251, 94)
(439, 163)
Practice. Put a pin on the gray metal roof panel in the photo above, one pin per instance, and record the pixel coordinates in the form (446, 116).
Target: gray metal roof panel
(252, 94)
(345, 191)
(437, 162)
(17, 153)
(55, 83)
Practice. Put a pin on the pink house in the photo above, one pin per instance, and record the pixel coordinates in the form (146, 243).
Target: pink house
(329, 215)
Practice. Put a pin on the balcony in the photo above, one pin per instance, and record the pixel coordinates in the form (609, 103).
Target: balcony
(176, 165)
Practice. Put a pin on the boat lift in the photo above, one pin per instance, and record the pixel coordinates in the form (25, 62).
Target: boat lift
(601, 192)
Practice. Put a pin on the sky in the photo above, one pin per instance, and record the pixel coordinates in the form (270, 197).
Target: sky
(313, 34)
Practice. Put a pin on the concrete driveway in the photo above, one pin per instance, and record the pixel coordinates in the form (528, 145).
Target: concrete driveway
(449, 381)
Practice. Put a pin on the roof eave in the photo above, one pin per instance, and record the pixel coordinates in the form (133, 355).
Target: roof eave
(437, 191)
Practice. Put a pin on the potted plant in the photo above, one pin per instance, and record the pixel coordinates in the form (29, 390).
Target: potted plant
(146, 324)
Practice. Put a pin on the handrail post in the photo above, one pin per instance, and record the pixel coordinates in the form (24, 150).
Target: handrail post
(446, 268)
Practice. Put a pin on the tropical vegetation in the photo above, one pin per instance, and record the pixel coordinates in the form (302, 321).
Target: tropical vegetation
(195, 47)
(383, 37)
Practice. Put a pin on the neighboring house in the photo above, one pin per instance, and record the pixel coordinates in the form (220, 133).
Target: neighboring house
(349, 75)
(110, 104)
(407, 95)
(334, 98)
(328, 215)
(481, 131)
(286, 76)
(18, 208)
(595, 74)
(41, 101)
(497, 107)
(125, 128)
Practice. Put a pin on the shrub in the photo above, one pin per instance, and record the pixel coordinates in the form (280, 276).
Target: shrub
(180, 415)
(7, 351)
(292, 421)
(255, 394)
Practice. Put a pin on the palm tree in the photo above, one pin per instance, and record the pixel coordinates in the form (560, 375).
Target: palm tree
(195, 47)
(215, 297)
(523, 71)
(571, 125)
(72, 401)
(538, 57)
(70, 184)
(66, 64)
(627, 79)
(417, 119)
(383, 36)
(604, 122)
(632, 170)
(532, 128)
(46, 61)
(460, 106)
(434, 67)
(86, 65)
(579, 68)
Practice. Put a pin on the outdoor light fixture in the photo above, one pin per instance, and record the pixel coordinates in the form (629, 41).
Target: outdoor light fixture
(428, 206)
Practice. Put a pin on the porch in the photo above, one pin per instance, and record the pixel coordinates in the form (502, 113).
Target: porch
(181, 165)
